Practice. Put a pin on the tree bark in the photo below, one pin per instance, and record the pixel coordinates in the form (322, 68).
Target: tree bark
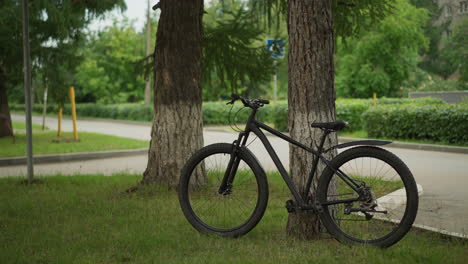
(311, 96)
(177, 129)
(6, 128)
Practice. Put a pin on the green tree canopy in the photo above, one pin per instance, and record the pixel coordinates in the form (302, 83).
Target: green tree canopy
(455, 51)
(108, 71)
(55, 28)
(234, 53)
(349, 16)
(381, 58)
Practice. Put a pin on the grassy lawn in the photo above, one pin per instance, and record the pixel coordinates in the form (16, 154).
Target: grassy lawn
(19, 126)
(379, 187)
(89, 219)
(363, 134)
(42, 142)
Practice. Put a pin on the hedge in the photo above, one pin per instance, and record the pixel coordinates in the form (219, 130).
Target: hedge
(437, 122)
(351, 110)
(135, 112)
(214, 113)
(400, 101)
(421, 118)
(217, 113)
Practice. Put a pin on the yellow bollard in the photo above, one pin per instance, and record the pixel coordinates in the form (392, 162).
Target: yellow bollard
(59, 129)
(71, 94)
(375, 99)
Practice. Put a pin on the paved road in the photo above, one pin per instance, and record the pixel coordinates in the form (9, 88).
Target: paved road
(443, 176)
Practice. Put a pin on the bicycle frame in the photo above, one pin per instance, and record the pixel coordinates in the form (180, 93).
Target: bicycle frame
(255, 126)
(242, 194)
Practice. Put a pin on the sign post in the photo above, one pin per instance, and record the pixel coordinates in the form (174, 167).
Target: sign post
(276, 47)
(27, 89)
(44, 107)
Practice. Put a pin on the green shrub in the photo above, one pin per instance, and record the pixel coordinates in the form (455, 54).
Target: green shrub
(437, 122)
(419, 101)
(346, 109)
(217, 113)
(280, 117)
(17, 107)
(464, 100)
(351, 110)
(143, 113)
(88, 110)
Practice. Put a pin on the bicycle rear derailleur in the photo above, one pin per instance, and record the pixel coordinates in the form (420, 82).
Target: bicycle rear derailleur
(364, 210)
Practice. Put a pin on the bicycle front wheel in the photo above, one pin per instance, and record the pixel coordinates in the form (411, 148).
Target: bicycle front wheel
(229, 213)
(388, 210)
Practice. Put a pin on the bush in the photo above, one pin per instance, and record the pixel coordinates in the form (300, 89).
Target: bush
(17, 107)
(419, 101)
(217, 113)
(280, 117)
(351, 110)
(436, 122)
(213, 113)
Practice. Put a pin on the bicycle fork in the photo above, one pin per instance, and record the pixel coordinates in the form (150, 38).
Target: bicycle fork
(231, 170)
(226, 185)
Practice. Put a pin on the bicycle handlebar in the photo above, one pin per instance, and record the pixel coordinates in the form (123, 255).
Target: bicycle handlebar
(252, 103)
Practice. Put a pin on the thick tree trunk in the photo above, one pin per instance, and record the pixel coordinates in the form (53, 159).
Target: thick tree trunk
(5, 118)
(177, 128)
(311, 95)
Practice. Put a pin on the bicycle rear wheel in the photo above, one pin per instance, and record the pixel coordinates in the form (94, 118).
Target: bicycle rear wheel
(392, 197)
(231, 213)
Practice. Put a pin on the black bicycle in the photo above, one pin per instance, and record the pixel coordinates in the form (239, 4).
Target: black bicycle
(365, 194)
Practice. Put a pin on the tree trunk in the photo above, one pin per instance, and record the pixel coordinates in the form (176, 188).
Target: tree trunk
(177, 129)
(5, 119)
(311, 96)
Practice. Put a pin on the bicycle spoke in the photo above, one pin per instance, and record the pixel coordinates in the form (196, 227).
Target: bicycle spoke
(225, 211)
(383, 181)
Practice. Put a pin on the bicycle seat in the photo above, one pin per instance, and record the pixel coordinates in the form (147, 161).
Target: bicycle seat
(336, 126)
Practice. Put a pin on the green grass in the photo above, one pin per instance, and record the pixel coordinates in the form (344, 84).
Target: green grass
(378, 186)
(207, 203)
(363, 134)
(89, 142)
(21, 126)
(88, 219)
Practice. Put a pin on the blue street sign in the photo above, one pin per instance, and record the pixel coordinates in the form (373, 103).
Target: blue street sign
(276, 47)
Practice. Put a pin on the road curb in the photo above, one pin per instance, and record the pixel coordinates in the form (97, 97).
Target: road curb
(54, 158)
